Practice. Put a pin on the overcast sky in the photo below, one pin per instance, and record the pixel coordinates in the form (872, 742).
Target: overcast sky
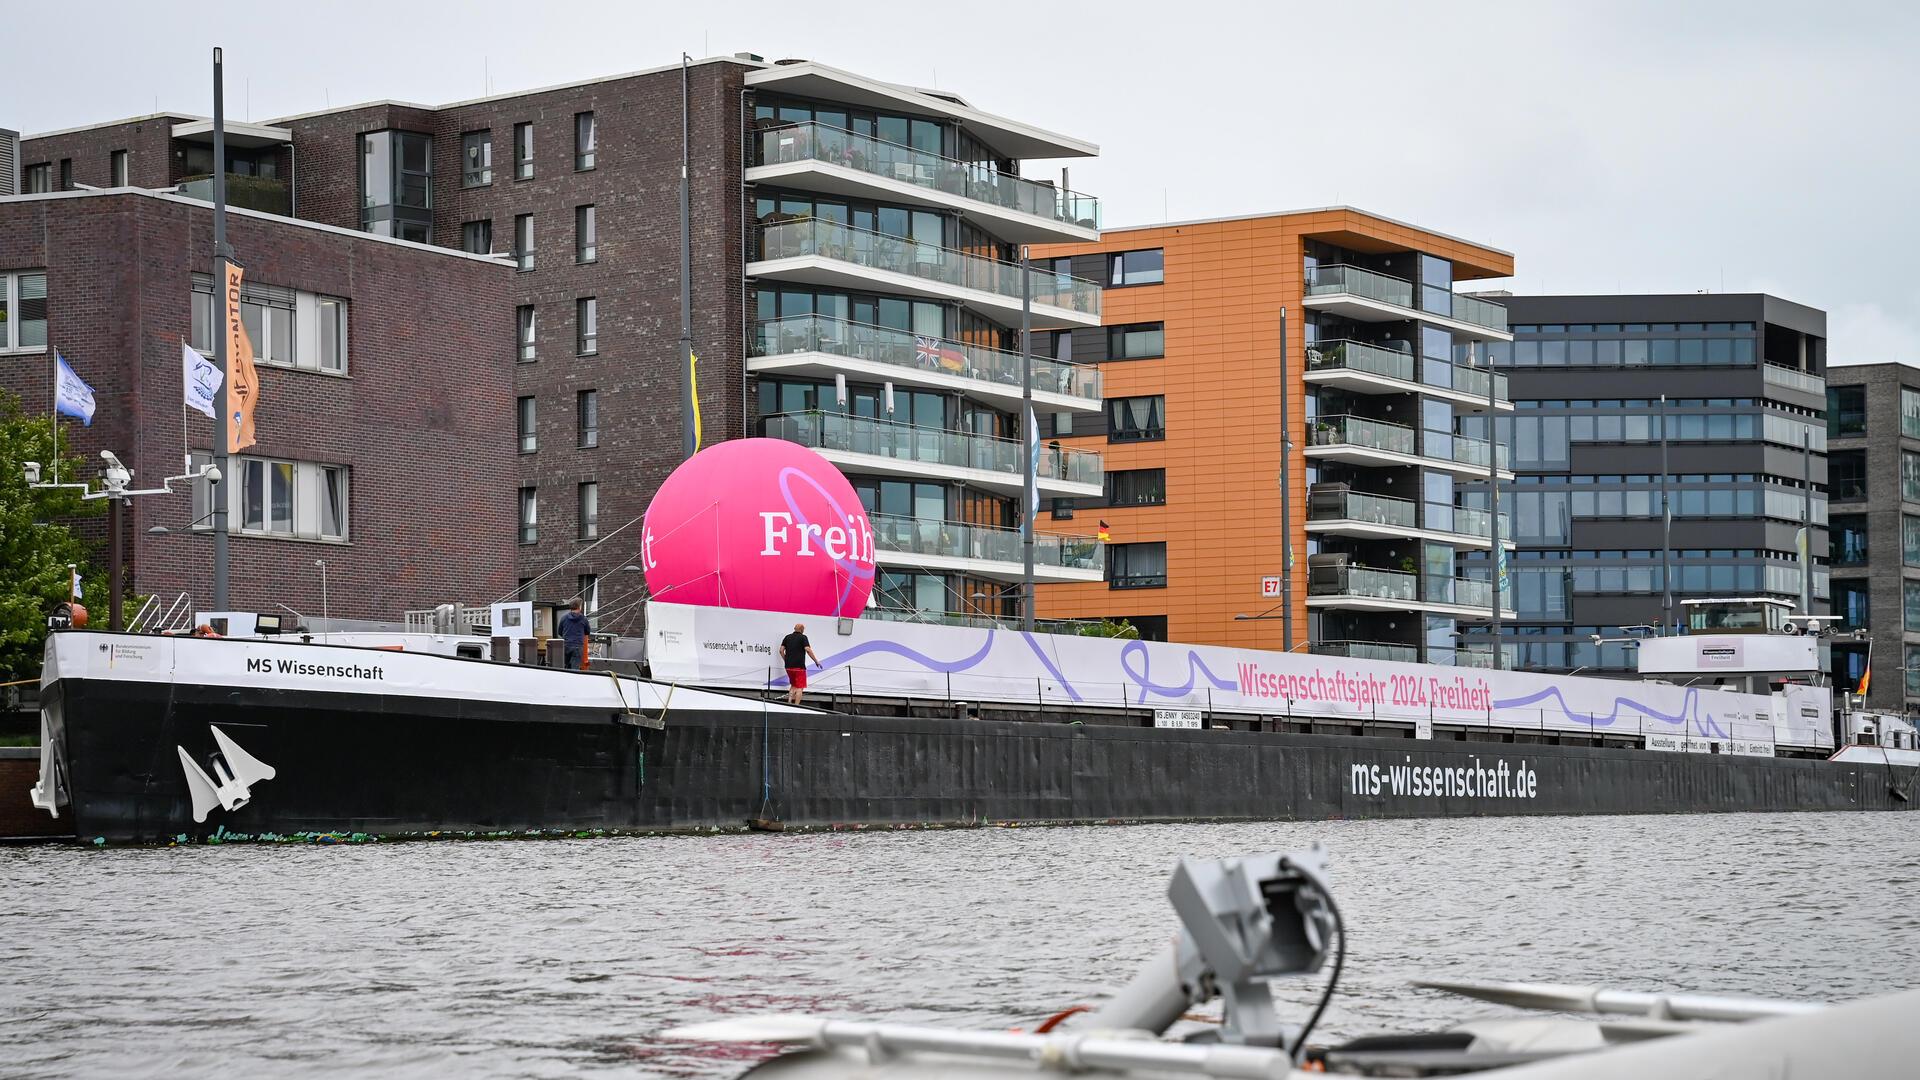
(1612, 147)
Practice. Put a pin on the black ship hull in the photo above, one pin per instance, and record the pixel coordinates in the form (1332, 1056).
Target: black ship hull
(392, 764)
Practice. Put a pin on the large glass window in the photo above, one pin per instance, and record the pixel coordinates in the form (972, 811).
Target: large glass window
(522, 151)
(285, 498)
(589, 510)
(587, 415)
(1137, 566)
(117, 168)
(1136, 341)
(1847, 475)
(586, 317)
(1137, 267)
(1847, 410)
(526, 329)
(1849, 532)
(476, 151)
(526, 423)
(1910, 540)
(1436, 285)
(586, 235)
(476, 237)
(1909, 476)
(1850, 603)
(288, 328)
(23, 312)
(1137, 487)
(36, 179)
(1910, 412)
(1910, 606)
(586, 141)
(396, 185)
(1135, 419)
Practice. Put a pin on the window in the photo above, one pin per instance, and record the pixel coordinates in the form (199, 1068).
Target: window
(523, 151)
(1436, 286)
(1062, 509)
(330, 318)
(589, 593)
(1909, 476)
(1136, 341)
(1137, 268)
(288, 328)
(529, 515)
(1849, 539)
(35, 179)
(23, 312)
(1137, 566)
(589, 510)
(1135, 419)
(527, 423)
(1910, 540)
(117, 168)
(526, 329)
(1137, 487)
(523, 240)
(1910, 604)
(1850, 603)
(66, 174)
(476, 237)
(294, 499)
(1847, 475)
(587, 412)
(1847, 410)
(586, 140)
(476, 151)
(585, 235)
(1910, 412)
(586, 317)
(396, 185)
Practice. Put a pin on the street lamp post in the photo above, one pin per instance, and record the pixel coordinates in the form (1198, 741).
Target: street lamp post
(324, 617)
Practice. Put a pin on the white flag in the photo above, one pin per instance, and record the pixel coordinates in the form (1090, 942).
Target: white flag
(76, 584)
(1033, 464)
(201, 379)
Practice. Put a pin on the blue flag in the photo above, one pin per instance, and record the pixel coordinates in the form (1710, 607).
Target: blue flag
(71, 395)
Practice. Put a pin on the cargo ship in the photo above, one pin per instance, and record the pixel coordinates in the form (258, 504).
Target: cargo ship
(152, 737)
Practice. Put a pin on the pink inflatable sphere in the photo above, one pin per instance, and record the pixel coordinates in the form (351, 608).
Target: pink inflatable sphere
(763, 524)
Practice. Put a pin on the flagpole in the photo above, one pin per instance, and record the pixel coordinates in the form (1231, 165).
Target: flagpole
(1028, 422)
(222, 411)
(688, 389)
(53, 415)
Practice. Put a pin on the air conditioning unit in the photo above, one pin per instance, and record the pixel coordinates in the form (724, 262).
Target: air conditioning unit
(9, 162)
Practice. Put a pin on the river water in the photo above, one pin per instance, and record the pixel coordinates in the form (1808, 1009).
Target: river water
(560, 958)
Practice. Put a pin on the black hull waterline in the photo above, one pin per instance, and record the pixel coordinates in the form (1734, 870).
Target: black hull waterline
(391, 765)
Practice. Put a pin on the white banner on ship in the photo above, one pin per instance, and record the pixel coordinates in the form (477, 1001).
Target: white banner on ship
(730, 647)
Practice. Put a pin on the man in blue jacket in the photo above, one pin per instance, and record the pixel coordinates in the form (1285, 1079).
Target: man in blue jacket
(574, 629)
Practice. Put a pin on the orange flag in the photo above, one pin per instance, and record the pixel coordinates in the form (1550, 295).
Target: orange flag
(243, 382)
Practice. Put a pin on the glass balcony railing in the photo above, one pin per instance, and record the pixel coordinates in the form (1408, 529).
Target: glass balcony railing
(1368, 650)
(263, 193)
(1372, 509)
(1466, 592)
(1366, 582)
(1360, 356)
(1470, 451)
(1360, 431)
(931, 262)
(929, 446)
(968, 180)
(1469, 521)
(961, 540)
(898, 348)
(1793, 379)
(1472, 309)
(1473, 381)
(1087, 627)
(1473, 658)
(1328, 279)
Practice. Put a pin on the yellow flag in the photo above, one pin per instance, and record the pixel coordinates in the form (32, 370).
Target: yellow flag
(243, 382)
(693, 383)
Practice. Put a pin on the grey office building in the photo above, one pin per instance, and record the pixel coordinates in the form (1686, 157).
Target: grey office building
(1744, 415)
(1873, 461)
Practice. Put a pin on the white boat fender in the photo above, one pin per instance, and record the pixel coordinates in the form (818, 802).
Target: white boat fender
(234, 773)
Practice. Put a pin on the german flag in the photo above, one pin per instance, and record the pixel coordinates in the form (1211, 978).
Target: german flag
(1104, 535)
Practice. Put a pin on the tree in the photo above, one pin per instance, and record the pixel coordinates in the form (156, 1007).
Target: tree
(37, 540)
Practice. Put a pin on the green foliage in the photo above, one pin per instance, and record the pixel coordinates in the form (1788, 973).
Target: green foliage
(36, 540)
(1114, 628)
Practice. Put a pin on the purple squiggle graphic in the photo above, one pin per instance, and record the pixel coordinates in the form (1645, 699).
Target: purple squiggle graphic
(1688, 705)
(1047, 662)
(891, 648)
(855, 570)
(1195, 668)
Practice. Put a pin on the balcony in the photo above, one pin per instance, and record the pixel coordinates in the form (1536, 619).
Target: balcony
(1793, 379)
(1365, 368)
(1359, 440)
(821, 347)
(1334, 511)
(1474, 452)
(1368, 650)
(819, 157)
(263, 193)
(869, 445)
(1369, 296)
(984, 550)
(819, 252)
(1368, 589)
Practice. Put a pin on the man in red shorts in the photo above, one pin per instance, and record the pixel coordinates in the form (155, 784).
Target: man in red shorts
(794, 651)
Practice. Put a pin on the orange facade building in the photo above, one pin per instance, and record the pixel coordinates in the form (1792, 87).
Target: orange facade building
(1190, 357)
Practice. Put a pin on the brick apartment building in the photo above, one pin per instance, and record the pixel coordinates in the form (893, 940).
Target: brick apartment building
(852, 288)
(1873, 469)
(380, 412)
